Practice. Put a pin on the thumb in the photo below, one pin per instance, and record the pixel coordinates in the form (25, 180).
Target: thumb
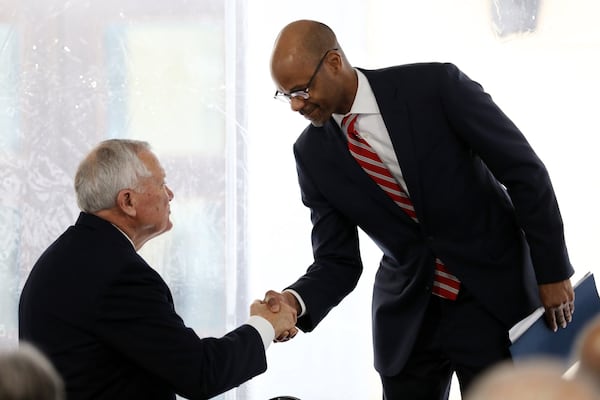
(273, 302)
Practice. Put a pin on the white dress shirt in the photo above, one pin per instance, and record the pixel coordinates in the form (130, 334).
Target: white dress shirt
(371, 127)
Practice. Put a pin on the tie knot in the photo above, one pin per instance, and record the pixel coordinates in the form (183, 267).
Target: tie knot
(349, 122)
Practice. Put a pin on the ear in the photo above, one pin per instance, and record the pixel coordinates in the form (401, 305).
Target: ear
(334, 60)
(126, 202)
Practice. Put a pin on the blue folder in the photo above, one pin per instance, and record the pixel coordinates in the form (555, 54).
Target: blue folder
(536, 339)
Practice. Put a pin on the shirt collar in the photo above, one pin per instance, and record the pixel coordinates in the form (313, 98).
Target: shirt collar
(124, 234)
(364, 101)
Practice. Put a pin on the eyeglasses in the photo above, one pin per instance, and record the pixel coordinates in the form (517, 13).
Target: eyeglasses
(302, 93)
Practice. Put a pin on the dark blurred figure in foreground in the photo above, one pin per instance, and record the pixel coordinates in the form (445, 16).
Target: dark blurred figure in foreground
(26, 374)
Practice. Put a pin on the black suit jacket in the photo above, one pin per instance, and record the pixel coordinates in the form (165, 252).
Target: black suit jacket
(106, 320)
(483, 198)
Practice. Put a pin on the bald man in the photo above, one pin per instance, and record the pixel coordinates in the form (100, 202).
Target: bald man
(587, 353)
(536, 379)
(421, 159)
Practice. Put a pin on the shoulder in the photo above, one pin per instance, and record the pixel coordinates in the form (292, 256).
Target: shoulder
(407, 77)
(91, 251)
(407, 71)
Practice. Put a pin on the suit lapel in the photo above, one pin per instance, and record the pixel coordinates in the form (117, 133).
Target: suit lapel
(347, 164)
(394, 111)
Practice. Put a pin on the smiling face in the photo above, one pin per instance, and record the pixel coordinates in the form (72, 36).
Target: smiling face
(308, 67)
(310, 89)
(151, 200)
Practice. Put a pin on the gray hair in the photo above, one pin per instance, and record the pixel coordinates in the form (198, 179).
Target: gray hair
(26, 374)
(110, 167)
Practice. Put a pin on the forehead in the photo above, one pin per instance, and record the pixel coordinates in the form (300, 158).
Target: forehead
(291, 68)
(294, 77)
(151, 162)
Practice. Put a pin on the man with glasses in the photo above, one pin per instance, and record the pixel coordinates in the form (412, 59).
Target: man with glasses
(421, 159)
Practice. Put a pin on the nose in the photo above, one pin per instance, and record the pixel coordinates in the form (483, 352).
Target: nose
(170, 193)
(297, 103)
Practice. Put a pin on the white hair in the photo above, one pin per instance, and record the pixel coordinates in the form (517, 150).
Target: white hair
(110, 167)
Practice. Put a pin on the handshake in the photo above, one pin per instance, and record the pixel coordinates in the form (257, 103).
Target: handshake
(281, 310)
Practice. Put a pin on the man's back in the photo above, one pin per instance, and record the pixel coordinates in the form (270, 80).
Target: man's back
(64, 305)
(107, 322)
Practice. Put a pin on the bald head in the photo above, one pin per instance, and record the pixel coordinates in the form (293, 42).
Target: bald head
(303, 41)
(587, 351)
(530, 380)
(308, 59)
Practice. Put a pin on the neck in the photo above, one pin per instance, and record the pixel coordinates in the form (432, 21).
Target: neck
(350, 92)
(121, 222)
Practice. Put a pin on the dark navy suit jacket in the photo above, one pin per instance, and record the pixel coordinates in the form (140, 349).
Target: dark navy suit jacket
(484, 200)
(106, 320)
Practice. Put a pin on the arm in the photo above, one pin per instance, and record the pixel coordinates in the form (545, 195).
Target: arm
(138, 321)
(337, 265)
(508, 155)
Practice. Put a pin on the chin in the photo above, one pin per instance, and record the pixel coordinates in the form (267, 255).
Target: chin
(320, 118)
(319, 122)
(164, 228)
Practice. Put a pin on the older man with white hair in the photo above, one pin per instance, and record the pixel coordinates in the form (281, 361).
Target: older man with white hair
(106, 319)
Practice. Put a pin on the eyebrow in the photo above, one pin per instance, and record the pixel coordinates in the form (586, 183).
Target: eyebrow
(298, 88)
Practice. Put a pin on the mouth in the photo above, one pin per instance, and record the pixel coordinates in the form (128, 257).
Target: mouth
(307, 113)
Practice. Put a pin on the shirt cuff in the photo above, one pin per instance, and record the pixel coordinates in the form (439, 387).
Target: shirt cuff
(297, 296)
(264, 328)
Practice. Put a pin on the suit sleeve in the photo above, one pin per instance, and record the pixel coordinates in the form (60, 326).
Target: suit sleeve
(137, 318)
(337, 265)
(478, 121)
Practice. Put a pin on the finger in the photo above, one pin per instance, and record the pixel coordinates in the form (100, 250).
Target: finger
(273, 300)
(568, 313)
(293, 332)
(560, 316)
(572, 307)
(551, 319)
(283, 337)
(273, 304)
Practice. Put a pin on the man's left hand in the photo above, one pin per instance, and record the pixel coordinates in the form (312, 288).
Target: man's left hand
(558, 300)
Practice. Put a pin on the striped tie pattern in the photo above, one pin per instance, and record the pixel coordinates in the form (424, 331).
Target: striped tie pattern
(445, 284)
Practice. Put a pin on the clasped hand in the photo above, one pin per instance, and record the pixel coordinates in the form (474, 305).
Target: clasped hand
(279, 302)
(558, 300)
(280, 312)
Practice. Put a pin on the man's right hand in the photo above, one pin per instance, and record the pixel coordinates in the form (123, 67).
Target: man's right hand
(281, 301)
(283, 320)
(275, 299)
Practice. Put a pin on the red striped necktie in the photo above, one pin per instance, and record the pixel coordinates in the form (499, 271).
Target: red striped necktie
(445, 284)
